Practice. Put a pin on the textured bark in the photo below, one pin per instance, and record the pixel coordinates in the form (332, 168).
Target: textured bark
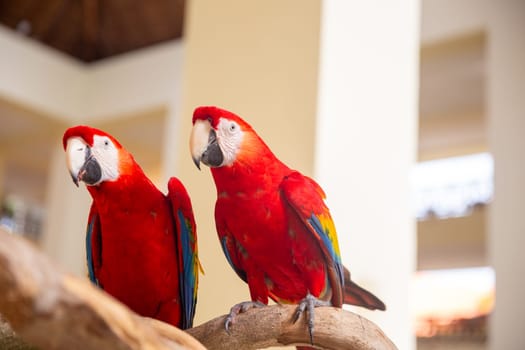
(53, 310)
(9, 340)
(271, 326)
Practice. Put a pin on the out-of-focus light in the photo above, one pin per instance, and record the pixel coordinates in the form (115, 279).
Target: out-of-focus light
(442, 299)
(451, 187)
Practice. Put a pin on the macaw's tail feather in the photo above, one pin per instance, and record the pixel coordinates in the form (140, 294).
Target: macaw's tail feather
(355, 295)
(304, 348)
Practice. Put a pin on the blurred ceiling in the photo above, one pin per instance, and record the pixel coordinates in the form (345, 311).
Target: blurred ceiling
(91, 30)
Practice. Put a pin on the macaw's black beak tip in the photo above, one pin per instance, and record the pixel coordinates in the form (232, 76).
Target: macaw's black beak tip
(74, 178)
(197, 162)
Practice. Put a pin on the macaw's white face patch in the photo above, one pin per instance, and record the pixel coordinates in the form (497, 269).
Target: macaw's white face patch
(92, 164)
(107, 156)
(229, 137)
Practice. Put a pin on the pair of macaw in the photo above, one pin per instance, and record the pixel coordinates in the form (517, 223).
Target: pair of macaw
(272, 223)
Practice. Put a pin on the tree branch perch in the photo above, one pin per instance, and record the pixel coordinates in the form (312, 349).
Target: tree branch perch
(53, 310)
(334, 329)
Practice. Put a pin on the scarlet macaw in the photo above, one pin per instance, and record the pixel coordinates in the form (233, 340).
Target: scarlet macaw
(272, 222)
(141, 245)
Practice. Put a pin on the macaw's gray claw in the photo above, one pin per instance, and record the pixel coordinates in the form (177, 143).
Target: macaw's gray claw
(309, 303)
(237, 309)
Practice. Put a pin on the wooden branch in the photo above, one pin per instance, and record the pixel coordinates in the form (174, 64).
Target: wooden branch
(9, 340)
(53, 310)
(271, 326)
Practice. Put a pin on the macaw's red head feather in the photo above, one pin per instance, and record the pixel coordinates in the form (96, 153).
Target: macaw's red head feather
(86, 133)
(214, 114)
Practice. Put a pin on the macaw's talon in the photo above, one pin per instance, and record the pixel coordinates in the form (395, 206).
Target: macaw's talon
(240, 308)
(309, 303)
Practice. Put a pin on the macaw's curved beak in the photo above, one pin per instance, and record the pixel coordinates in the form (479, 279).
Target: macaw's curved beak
(83, 166)
(204, 146)
(90, 172)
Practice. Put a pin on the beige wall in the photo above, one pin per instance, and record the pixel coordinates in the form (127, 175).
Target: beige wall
(446, 19)
(506, 112)
(451, 103)
(2, 171)
(453, 242)
(258, 59)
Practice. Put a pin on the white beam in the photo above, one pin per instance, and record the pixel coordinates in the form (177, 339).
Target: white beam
(34, 75)
(50, 82)
(366, 146)
(135, 81)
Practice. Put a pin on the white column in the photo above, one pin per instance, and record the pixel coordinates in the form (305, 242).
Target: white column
(506, 112)
(366, 146)
(67, 211)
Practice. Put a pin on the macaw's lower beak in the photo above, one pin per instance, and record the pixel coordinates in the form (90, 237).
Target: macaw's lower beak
(90, 172)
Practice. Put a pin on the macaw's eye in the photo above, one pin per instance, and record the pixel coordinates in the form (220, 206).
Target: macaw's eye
(106, 143)
(233, 127)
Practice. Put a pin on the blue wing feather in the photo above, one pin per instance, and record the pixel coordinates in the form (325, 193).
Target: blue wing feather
(325, 238)
(186, 240)
(89, 249)
(92, 233)
(187, 279)
(240, 272)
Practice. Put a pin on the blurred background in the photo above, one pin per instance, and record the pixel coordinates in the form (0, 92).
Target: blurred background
(410, 114)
